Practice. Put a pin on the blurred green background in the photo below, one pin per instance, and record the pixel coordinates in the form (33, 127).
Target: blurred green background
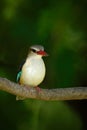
(61, 27)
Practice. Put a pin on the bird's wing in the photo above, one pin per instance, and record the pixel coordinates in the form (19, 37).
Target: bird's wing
(20, 71)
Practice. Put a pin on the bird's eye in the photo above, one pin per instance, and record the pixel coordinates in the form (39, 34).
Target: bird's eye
(33, 50)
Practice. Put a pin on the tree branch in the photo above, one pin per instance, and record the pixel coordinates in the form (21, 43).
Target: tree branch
(76, 93)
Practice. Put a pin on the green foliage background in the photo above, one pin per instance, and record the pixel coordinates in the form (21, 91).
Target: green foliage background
(61, 27)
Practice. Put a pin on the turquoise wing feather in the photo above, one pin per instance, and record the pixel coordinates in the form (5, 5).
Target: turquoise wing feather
(20, 71)
(18, 76)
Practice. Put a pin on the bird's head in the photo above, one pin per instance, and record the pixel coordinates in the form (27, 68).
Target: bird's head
(38, 50)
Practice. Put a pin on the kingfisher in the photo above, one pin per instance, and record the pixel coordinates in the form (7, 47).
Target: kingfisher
(33, 70)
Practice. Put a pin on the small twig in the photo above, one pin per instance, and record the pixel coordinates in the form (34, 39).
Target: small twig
(75, 93)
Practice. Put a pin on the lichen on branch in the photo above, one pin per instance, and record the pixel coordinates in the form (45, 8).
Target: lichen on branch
(72, 93)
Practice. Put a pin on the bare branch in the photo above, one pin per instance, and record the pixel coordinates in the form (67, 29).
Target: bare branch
(75, 93)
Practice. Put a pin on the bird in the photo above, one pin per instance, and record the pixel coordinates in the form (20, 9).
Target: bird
(32, 71)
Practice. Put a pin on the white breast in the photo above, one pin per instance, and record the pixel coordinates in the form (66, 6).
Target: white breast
(33, 72)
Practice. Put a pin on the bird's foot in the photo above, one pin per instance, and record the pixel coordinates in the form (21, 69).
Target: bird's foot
(38, 89)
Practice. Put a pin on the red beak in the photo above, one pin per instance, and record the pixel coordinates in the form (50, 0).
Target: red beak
(43, 53)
